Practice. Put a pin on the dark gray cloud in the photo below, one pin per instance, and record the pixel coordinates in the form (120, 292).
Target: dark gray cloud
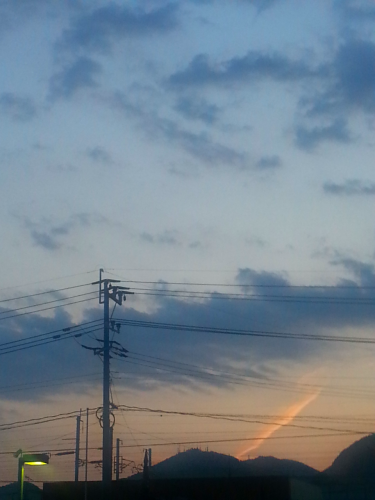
(351, 187)
(272, 304)
(350, 82)
(100, 155)
(197, 109)
(203, 147)
(268, 162)
(253, 67)
(46, 370)
(100, 29)
(309, 138)
(200, 145)
(356, 10)
(16, 107)
(363, 272)
(13, 15)
(50, 236)
(80, 74)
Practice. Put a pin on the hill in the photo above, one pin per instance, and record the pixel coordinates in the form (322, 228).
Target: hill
(10, 491)
(357, 461)
(195, 463)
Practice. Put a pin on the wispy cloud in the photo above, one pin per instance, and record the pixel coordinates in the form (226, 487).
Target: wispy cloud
(99, 29)
(309, 138)
(18, 108)
(351, 187)
(50, 235)
(80, 74)
(254, 66)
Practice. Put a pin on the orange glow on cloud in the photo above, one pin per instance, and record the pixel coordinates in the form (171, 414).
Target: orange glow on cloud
(290, 414)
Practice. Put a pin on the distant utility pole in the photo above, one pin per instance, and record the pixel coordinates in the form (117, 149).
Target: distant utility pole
(118, 459)
(78, 436)
(118, 295)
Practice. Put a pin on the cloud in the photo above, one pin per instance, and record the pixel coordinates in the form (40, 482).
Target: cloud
(100, 29)
(351, 187)
(200, 145)
(54, 366)
(78, 75)
(16, 107)
(309, 138)
(203, 358)
(254, 66)
(50, 236)
(363, 272)
(268, 162)
(197, 109)
(356, 10)
(165, 238)
(100, 155)
(262, 5)
(350, 82)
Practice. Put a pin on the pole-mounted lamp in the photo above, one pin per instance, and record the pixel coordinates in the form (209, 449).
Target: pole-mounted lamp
(28, 459)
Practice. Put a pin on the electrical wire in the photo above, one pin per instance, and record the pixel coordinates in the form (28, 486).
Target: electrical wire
(261, 298)
(48, 308)
(270, 438)
(245, 333)
(196, 370)
(249, 285)
(44, 293)
(48, 302)
(219, 416)
(53, 332)
(287, 298)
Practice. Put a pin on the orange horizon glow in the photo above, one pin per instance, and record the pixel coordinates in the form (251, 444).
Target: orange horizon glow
(289, 416)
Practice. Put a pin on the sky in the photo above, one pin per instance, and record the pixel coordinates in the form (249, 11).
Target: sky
(216, 156)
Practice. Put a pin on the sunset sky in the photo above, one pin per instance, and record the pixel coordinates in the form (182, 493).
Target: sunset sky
(217, 156)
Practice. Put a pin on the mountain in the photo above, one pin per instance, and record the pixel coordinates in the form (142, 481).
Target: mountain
(31, 492)
(357, 461)
(198, 464)
(271, 466)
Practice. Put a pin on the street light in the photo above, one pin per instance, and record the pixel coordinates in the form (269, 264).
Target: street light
(28, 459)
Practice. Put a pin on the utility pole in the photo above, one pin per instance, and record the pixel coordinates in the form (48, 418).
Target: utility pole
(117, 459)
(87, 450)
(107, 444)
(78, 435)
(117, 294)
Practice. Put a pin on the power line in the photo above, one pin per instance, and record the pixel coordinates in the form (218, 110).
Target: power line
(53, 332)
(248, 298)
(38, 385)
(48, 280)
(46, 303)
(246, 285)
(44, 293)
(54, 336)
(48, 308)
(287, 298)
(244, 333)
(219, 416)
(241, 379)
(206, 441)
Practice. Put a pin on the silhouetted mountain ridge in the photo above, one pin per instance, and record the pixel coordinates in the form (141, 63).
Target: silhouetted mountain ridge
(357, 461)
(195, 463)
